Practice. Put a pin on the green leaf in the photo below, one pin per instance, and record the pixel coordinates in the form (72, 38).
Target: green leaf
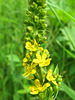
(67, 14)
(56, 71)
(69, 36)
(72, 69)
(23, 91)
(69, 52)
(51, 66)
(68, 90)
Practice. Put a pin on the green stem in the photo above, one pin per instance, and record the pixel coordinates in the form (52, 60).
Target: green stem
(40, 74)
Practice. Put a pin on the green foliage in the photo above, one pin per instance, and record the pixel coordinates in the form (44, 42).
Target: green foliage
(61, 45)
(68, 90)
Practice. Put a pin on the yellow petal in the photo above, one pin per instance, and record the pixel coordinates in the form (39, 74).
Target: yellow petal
(33, 48)
(33, 71)
(45, 50)
(37, 83)
(50, 72)
(31, 53)
(41, 64)
(24, 64)
(25, 59)
(28, 45)
(35, 43)
(26, 74)
(47, 62)
(34, 92)
(27, 55)
(55, 82)
(45, 86)
(33, 88)
(40, 49)
(38, 56)
(35, 60)
(44, 56)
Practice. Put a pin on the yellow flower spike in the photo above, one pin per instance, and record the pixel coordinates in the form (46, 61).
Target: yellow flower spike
(41, 60)
(32, 47)
(25, 59)
(38, 87)
(50, 77)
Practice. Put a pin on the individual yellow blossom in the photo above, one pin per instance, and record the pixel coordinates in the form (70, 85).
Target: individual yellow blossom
(32, 46)
(40, 49)
(25, 59)
(31, 53)
(38, 87)
(41, 60)
(50, 77)
(30, 69)
(45, 50)
(27, 55)
(24, 64)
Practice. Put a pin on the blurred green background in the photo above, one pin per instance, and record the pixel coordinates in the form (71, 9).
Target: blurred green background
(61, 45)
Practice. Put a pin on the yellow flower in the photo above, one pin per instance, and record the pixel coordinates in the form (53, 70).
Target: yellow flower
(45, 50)
(38, 87)
(40, 49)
(25, 59)
(31, 53)
(30, 69)
(50, 77)
(27, 55)
(24, 64)
(32, 47)
(41, 60)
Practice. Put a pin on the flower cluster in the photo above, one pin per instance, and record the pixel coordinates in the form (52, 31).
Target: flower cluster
(36, 63)
(35, 22)
(37, 59)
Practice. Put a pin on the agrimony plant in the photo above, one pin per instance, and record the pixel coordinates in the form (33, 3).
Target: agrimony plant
(37, 59)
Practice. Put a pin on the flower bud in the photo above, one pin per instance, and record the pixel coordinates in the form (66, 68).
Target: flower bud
(44, 25)
(36, 18)
(51, 89)
(44, 5)
(56, 88)
(59, 79)
(34, 5)
(30, 29)
(59, 83)
(29, 13)
(27, 38)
